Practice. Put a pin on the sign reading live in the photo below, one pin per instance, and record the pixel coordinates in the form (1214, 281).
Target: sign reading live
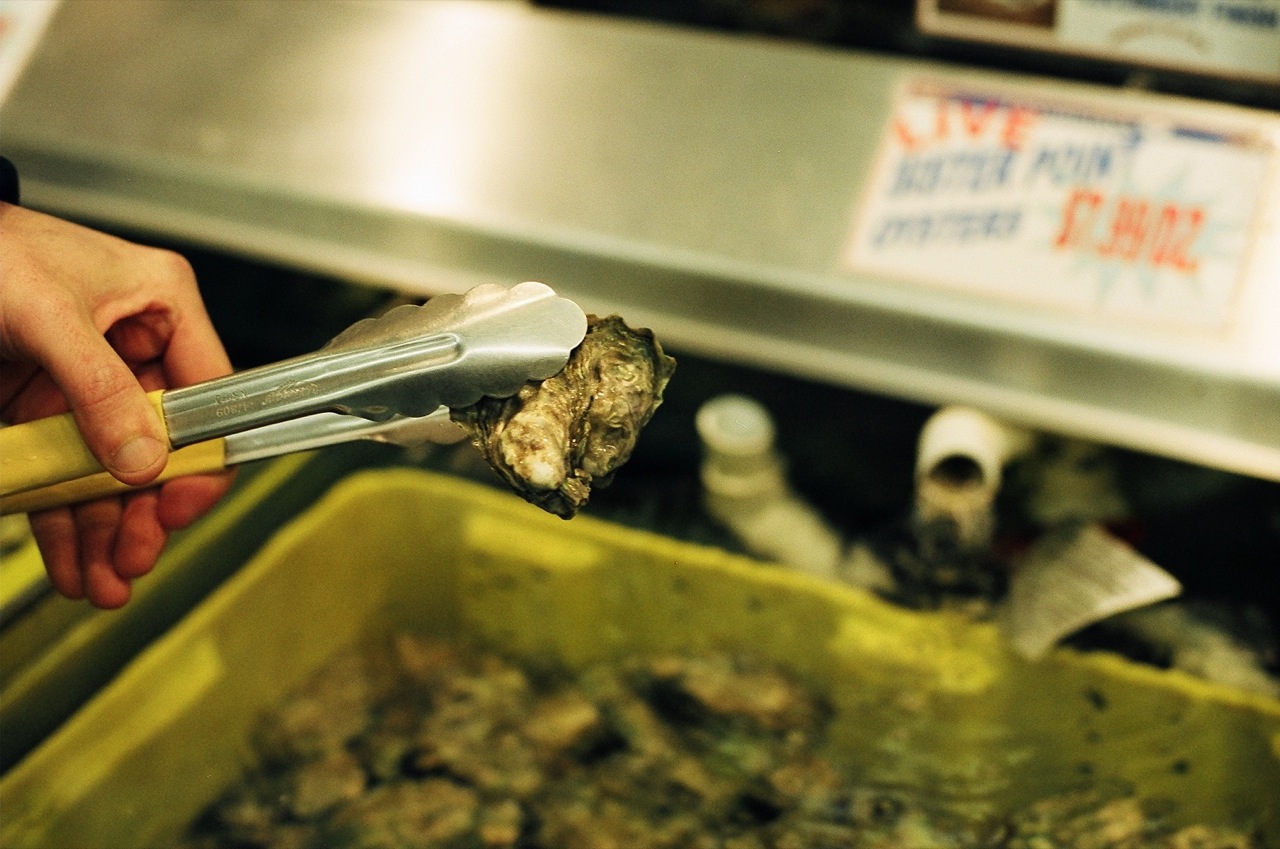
(1140, 216)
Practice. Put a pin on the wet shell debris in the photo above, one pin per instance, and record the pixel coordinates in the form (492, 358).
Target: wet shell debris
(431, 745)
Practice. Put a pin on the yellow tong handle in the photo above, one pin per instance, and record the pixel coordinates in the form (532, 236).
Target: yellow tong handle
(45, 463)
(198, 459)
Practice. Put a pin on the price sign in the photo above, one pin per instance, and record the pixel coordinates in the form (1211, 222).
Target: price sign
(1230, 38)
(1133, 217)
(22, 23)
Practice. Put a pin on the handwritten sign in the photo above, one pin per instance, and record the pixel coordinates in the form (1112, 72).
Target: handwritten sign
(22, 23)
(1134, 217)
(1231, 38)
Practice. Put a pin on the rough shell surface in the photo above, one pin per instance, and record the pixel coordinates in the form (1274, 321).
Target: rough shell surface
(557, 438)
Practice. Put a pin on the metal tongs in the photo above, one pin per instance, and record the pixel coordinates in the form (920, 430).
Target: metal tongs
(392, 379)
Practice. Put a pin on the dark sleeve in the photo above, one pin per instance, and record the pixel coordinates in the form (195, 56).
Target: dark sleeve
(8, 181)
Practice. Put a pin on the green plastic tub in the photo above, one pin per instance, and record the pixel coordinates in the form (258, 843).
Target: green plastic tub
(926, 700)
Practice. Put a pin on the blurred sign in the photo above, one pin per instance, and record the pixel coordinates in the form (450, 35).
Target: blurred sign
(1238, 38)
(22, 22)
(1137, 216)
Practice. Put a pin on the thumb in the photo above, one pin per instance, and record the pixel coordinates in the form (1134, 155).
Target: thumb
(116, 420)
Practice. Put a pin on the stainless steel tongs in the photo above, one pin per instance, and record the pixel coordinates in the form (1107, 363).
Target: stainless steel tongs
(391, 378)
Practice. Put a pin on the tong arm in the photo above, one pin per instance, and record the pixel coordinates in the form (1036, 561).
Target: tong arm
(314, 383)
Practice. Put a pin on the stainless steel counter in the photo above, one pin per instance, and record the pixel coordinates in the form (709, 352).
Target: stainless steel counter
(701, 184)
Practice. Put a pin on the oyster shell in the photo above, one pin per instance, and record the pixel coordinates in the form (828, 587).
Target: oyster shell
(556, 438)
(707, 750)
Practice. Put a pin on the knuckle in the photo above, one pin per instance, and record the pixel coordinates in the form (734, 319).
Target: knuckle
(171, 267)
(102, 391)
(100, 384)
(97, 519)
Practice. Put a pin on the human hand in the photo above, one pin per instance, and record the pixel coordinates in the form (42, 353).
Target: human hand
(89, 323)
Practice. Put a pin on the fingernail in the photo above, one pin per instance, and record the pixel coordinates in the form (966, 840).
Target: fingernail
(137, 454)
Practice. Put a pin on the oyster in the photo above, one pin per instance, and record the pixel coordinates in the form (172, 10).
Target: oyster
(556, 438)
(709, 750)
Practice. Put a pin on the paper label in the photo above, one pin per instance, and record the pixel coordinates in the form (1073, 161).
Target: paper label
(22, 23)
(1137, 217)
(1072, 578)
(1237, 38)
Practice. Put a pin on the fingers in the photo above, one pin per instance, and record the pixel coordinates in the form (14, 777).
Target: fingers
(141, 538)
(182, 344)
(97, 523)
(142, 338)
(97, 549)
(86, 307)
(89, 322)
(183, 500)
(115, 419)
(55, 533)
(195, 354)
(78, 546)
(179, 332)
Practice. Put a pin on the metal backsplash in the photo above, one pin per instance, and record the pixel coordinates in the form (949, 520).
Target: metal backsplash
(702, 184)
